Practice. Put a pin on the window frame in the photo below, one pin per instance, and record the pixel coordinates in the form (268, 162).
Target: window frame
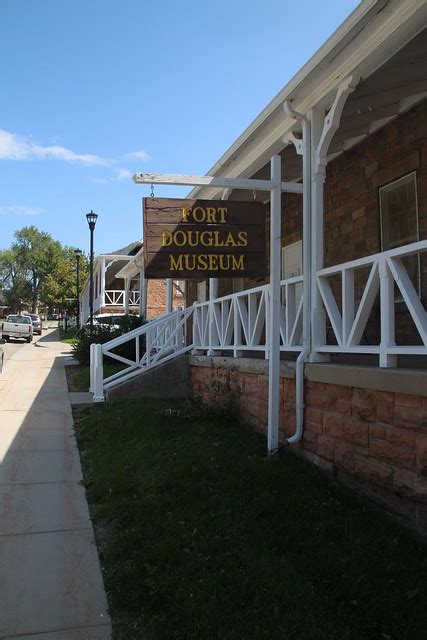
(382, 220)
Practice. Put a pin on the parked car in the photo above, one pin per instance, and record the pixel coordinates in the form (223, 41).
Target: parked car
(37, 323)
(107, 319)
(17, 327)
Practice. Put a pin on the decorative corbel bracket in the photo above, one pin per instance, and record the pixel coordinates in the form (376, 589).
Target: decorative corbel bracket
(298, 143)
(291, 137)
(331, 124)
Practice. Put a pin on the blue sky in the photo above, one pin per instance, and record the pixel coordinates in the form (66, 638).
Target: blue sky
(95, 90)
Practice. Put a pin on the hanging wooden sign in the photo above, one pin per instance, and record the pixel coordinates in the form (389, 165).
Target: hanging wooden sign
(203, 238)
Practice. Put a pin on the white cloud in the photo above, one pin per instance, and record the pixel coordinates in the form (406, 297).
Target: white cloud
(14, 146)
(18, 210)
(121, 174)
(17, 147)
(140, 155)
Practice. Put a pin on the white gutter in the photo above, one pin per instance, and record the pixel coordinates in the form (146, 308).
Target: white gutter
(306, 244)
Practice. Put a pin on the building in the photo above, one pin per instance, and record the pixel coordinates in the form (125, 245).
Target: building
(353, 323)
(120, 286)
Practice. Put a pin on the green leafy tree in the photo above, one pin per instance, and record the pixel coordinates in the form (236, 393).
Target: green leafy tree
(38, 255)
(17, 292)
(60, 285)
(38, 270)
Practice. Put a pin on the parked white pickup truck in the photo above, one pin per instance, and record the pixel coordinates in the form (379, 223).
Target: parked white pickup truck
(17, 327)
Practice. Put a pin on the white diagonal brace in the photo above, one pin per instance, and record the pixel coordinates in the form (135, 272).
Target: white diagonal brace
(365, 307)
(410, 296)
(331, 307)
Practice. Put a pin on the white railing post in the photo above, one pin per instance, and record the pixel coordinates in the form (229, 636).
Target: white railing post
(92, 368)
(98, 393)
(126, 295)
(213, 293)
(142, 294)
(237, 329)
(388, 336)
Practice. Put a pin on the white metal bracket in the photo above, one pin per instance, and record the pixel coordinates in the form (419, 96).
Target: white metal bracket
(331, 124)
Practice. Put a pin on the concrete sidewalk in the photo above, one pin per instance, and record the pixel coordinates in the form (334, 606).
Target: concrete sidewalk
(50, 579)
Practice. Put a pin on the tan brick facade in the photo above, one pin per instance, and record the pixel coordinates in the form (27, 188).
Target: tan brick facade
(374, 441)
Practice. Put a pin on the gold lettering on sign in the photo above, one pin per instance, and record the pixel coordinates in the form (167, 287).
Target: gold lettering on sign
(206, 262)
(210, 215)
(207, 238)
(185, 213)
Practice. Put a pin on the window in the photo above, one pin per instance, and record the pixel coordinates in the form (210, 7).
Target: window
(399, 220)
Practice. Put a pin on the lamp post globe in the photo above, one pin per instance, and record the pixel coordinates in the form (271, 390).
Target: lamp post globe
(91, 218)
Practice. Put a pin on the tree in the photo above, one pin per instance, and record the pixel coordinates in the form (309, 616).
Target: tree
(13, 278)
(60, 285)
(38, 256)
(38, 269)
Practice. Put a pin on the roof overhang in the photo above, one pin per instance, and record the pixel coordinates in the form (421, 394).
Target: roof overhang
(133, 267)
(375, 32)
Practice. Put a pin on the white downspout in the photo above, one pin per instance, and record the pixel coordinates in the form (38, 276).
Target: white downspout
(306, 244)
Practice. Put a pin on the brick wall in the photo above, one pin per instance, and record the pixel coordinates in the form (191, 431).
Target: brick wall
(374, 441)
(156, 298)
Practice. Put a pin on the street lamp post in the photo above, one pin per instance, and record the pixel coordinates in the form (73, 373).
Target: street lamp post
(78, 253)
(91, 220)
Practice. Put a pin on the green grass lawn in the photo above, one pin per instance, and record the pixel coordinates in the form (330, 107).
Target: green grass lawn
(202, 536)
(69, 337)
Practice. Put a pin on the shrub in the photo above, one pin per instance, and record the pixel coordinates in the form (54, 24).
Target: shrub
(102, 333)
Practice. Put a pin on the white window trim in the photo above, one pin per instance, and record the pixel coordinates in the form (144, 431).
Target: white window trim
(386, 186)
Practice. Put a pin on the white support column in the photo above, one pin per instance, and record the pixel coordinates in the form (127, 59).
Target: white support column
(318, 315)
(322, 131)
(274, 315)
(127, 285)
(103, 273)
(213, 293)
(169, 295)
(142, 293)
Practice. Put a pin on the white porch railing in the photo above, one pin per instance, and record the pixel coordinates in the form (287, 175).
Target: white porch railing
(348, 323)
(134, 297)
(239, 322)
(116, 297)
